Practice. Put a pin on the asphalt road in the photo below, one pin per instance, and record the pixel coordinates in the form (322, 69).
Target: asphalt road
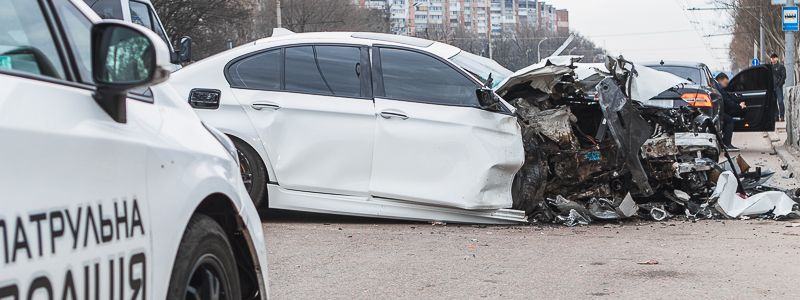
(331, 257)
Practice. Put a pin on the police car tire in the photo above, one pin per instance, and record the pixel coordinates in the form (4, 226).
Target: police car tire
(204, 242)
(258, 191)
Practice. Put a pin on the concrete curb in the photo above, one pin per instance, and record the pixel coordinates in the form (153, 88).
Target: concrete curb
(777, 142)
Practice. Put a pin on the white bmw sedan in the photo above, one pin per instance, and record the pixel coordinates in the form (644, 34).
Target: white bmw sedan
(361, 124)
(105, 193)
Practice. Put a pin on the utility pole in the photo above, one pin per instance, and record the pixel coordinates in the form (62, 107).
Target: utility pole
(489, 30)
(788, 60)
(490, 44)
(539, 50)
(278, 9)
(760, 36)
(788, 57)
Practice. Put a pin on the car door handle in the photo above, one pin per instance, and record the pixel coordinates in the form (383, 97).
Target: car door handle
(388, 115)
(261, 105)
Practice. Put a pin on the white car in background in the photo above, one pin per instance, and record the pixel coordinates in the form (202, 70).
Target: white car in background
(361, 124)
(108, 194)
(142, 12)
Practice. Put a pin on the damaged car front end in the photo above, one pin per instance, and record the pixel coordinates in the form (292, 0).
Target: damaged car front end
(605, 156)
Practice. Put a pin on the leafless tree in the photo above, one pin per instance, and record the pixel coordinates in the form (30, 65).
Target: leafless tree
(321, 15)
(516, 48)
(746, 16)
(214, 23)
(210, 23)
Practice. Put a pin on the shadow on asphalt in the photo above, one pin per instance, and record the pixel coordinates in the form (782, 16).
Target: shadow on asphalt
(285, 216)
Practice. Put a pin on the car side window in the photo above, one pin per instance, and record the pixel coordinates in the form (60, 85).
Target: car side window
(261, 71)
(302, 73)
(26, 43)
(76, 26)
(341, 69)
(413, 76)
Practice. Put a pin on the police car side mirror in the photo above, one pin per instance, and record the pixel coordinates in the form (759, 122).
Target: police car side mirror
(185, 51)
(125, 56)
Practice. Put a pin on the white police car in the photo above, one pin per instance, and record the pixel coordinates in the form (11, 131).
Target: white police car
(106, 194)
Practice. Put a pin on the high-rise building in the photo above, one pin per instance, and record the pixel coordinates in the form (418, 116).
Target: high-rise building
(481, 17)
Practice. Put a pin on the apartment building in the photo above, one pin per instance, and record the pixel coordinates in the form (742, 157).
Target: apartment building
(481, 17)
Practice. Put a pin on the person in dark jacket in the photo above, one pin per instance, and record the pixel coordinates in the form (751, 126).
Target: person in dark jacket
(730, 111)
(780, 79)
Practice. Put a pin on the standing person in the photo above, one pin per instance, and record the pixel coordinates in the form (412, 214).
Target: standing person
(780, 79)
(730, 109)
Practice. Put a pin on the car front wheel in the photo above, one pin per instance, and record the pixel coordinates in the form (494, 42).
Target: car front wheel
(204, 265)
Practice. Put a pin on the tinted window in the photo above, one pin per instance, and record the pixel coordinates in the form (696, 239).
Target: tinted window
(752, 79)
(302, 72)
(695, 75)
(341, 69)
(77, 27)
(261, 71)
(26, 44)
(413, 76)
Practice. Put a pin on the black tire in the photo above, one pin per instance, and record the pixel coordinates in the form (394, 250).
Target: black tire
(254, 174)
(204, 265)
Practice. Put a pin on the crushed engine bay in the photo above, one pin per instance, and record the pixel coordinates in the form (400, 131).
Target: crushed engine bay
(595, 151)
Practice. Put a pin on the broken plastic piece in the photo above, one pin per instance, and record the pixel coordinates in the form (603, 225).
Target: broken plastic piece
(627, 208)
(574, 218)
(659, 214)
(731, 205)
(602, 209)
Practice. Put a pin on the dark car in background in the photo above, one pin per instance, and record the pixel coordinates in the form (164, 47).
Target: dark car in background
(702, 93)
(751, 86)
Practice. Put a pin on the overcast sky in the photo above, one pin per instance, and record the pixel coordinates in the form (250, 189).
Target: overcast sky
(651, 30)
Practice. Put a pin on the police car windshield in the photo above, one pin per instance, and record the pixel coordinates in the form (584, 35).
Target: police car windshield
(481, 67)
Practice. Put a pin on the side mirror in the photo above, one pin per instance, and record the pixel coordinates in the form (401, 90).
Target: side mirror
(185, 51)
(489, 81)
(125, 56)
(487, 97)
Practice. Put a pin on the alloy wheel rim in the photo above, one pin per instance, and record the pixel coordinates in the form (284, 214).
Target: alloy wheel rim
(208, 280)
(246, 170)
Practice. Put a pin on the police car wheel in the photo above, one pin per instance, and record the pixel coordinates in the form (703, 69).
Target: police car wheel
(204, 266)
(254, 175)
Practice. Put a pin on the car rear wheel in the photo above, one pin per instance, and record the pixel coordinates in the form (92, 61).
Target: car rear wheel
(204, 265)
(254, 175)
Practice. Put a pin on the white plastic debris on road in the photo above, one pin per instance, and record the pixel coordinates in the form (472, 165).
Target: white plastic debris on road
(732, 205)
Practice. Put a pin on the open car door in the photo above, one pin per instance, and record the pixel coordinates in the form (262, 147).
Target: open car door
(754, 86)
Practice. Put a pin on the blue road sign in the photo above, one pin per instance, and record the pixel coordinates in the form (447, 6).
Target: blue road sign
(754, 62)
(790, 20)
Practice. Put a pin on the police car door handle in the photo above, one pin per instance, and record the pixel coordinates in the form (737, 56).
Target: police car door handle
(263, 105)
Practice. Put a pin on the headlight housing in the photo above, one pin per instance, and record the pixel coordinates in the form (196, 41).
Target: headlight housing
(225, 141)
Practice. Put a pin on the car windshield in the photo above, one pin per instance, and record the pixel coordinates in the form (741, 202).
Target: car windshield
(481, 67)
(694, 75)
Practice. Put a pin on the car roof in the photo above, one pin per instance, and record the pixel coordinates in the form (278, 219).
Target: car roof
(364, 38)
(672, 63)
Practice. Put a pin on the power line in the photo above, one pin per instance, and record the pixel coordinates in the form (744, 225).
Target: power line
(641, 33)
